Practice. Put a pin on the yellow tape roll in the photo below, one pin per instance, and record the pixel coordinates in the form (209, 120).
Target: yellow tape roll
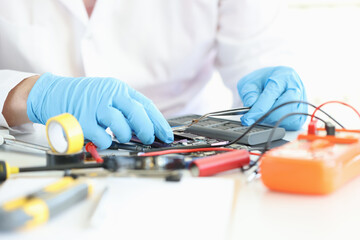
(64, 134)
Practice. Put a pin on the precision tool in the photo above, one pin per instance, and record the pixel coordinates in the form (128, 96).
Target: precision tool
(6, 170)
(10, 140)
(38, 207)
(228, 112)
(93, 220)
(63, 132)
(111, 163)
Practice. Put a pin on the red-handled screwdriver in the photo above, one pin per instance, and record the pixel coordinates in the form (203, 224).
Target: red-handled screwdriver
(211, 165)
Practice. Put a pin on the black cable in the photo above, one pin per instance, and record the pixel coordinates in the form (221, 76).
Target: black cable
(271, 111)
(267, 145)
(247, 130)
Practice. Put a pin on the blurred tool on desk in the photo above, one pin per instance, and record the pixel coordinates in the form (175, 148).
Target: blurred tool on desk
(10, 140)
(38, 207)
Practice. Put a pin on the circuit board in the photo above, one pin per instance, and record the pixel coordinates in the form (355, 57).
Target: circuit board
(228, 130)
(210, 131)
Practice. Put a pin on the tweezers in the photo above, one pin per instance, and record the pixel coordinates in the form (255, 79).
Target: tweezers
(228, 112)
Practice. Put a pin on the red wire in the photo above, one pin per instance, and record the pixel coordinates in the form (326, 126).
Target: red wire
(151, 154)
(312, 116)
(256, 154)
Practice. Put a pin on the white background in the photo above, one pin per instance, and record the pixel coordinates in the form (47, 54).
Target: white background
(324, 38)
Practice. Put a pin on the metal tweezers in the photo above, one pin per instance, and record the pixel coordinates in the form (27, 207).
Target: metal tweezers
(228, 112)
(10, 140)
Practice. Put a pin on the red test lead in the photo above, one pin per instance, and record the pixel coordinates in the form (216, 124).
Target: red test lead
(211, 165)
(91, 148)
(312, 127)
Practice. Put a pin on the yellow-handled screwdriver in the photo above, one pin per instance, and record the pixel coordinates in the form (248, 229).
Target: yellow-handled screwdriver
(38, 207)
(6, 170)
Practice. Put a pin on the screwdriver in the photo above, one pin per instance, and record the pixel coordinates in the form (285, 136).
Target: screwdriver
(6, 170)
(38, 207)
(111, 163)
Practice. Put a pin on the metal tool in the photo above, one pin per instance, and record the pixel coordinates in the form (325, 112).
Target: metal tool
(228, 112)
(10, 140)
(158, 165)
(93, 219)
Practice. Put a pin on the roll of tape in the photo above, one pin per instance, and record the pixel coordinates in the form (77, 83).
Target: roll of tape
(64, 134)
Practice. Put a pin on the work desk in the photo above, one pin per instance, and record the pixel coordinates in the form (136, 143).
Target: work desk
(251, 211)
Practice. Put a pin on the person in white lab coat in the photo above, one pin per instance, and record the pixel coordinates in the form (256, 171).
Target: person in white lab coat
(87, 57)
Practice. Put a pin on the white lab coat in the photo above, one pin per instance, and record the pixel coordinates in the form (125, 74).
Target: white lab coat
(166, 49)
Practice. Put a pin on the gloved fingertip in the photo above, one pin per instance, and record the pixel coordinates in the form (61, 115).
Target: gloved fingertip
(102, 143)
(169, 138)
(290, 127)
(163, 131)
(246, 121)
(165, 135)
(169, 134)
(294, 125)
(147, 139)
(123, 139)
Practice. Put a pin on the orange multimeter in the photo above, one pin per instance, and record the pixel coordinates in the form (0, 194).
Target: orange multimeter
(313, 164)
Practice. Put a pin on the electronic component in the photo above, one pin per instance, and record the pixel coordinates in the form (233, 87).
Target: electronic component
(181, 140)
(187, 139)
(210, 131)
(228, 130)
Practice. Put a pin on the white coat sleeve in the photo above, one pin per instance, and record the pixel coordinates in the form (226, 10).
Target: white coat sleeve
(8, 80)
(249, 37)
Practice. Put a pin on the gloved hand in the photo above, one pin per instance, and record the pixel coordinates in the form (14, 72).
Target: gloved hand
(269, 87)
(98, 103)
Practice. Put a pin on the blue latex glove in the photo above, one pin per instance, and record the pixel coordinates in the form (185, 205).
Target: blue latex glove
(269, 87)
(98, 103)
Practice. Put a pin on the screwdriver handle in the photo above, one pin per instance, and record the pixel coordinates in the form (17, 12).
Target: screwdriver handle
(38, 207)
(6, 170)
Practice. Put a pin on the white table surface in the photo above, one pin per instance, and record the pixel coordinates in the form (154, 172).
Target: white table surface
(255, 211)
